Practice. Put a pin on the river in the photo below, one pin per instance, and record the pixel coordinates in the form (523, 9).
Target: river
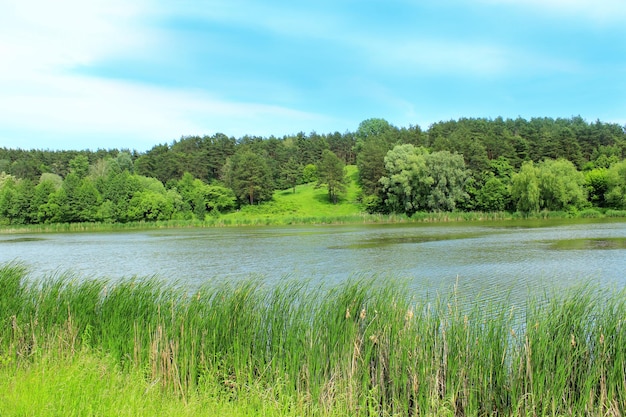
(485, 260)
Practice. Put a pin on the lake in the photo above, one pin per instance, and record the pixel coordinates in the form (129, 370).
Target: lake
(486, 260)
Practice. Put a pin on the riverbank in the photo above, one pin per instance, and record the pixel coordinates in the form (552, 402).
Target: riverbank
(309, 205)
(260, 218)
(359, 348)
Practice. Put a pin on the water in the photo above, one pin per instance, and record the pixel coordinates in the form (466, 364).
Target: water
(485, 260)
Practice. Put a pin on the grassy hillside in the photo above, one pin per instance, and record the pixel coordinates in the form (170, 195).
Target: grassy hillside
(308, 202)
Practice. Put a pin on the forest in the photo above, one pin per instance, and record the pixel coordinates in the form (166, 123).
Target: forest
(469, 164)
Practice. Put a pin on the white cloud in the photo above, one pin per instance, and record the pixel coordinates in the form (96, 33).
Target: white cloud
(41, 42)
(40, 35)
(82, 105)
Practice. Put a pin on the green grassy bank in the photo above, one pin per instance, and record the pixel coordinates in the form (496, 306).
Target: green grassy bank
(263, 216)
(140, 347)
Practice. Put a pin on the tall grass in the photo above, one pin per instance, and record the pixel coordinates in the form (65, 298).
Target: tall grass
(260, 217)
(365, 347)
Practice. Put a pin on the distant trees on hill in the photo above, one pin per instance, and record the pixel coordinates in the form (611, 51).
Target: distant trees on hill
(464, 164)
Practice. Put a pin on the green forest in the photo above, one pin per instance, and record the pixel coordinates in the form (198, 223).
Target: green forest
(470, 164)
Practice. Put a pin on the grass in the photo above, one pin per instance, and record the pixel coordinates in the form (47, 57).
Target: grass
(91, 384)
(71, 346)
(311, 201)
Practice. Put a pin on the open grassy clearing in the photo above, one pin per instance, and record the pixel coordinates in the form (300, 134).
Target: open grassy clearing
(362, 348)
(307, 204)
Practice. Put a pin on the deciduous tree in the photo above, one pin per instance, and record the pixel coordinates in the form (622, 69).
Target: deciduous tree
(616, 194)
(405, 183)
(561, 185)
(417, 180)
(331, 173)
(525, 188)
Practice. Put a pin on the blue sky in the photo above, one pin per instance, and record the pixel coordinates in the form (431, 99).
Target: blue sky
(78, 74)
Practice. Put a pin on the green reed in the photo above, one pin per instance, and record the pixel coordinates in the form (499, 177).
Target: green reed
(363, 347)
(280, 219)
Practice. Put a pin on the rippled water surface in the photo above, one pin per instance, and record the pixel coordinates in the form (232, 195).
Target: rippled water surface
(486, 260)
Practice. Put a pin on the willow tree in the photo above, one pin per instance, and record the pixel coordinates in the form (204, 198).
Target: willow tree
(561, 185)
(405, 180)
(553, 184)
(616, 186)
(525, 191)
(418, 180)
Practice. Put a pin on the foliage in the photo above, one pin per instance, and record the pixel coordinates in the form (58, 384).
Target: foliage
(550, 185)
(80, 166)
(615, 196)
(372, 128)
(561, 185)
(597, 182)
(370, 162)
(40, 186)
(406, 181)
(331, 173)
(525, 188)
(449, 175)
(292, 173)
(201, 198)
(416, 179)
(150, 206)
(250, 178)
(309, 173)
(493, 195)
(10, 202)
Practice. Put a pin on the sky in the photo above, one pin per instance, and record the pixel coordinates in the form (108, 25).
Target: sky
(119, 74)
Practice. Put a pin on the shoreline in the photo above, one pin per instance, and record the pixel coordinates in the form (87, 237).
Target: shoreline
(236, 220)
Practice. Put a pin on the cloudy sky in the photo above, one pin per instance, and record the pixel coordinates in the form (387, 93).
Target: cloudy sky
(89, 74)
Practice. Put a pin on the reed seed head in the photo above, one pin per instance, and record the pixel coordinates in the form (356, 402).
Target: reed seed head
(409, 314)
(347, 312)
(362, 314)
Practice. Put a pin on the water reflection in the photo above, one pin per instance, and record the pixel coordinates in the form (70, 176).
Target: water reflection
(589, 243)
(485, 261)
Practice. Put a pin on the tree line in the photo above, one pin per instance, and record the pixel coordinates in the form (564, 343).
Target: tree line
(466, 164)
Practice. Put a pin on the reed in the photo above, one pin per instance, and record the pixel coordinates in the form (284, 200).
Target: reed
(364, 347)
(259, 218)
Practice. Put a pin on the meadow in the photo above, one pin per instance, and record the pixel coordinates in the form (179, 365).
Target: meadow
(76, 346)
